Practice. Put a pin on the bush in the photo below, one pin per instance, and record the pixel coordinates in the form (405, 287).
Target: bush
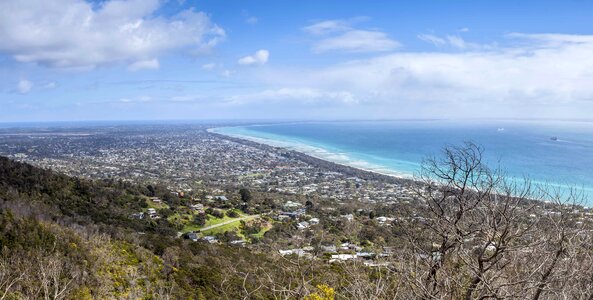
(217, 214)
(166, 212)
(201, 219)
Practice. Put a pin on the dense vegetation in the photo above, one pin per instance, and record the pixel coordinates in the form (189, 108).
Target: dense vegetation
(68, 238)
(470, 234)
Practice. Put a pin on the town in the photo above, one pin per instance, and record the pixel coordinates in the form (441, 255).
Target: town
(217, 189)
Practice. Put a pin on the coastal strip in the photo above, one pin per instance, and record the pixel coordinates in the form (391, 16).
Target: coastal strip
(367, 174)
(322, 163)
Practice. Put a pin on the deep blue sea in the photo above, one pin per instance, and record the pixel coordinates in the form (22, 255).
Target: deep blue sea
(556, 153)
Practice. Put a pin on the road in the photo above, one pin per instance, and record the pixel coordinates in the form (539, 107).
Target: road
(228, 222)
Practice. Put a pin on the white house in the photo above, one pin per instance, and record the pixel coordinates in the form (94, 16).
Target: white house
(303, 225)
(342, 257)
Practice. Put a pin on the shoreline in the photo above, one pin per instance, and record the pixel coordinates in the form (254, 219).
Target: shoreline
(314, 151)
(320, 162)
(354, 170)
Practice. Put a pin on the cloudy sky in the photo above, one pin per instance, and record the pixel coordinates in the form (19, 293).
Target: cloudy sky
(179, 59)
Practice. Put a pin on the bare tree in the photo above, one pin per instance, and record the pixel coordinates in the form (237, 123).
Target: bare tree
(482, 235)
(53, 277)
(9, 276)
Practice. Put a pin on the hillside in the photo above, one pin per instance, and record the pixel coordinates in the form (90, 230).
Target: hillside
(68, 238)
(465, 236)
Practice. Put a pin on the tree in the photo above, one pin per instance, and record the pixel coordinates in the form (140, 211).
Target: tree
(245, 195)
(166, 212)
(481, 237)
(151, 191)
(215, 213)
(231, 213)
(201, 219)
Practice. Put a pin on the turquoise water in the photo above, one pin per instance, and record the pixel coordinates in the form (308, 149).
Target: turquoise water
(521, 148)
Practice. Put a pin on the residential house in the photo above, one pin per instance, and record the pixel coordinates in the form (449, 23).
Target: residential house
(193, 236)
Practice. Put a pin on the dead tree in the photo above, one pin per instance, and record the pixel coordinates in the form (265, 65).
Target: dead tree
(481, 235)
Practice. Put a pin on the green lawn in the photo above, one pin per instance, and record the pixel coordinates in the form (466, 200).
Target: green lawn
(190, 226)
(233, 226)
(261, 233)
(214, 221)
(187, 220)
(181, 219)
(157, 206)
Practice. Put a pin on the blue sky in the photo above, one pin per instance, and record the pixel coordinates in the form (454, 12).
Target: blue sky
(67, 60)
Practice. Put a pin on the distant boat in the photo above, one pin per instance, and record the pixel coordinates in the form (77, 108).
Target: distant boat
(554, 138)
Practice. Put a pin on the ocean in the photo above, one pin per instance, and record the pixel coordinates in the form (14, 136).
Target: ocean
(556, 153)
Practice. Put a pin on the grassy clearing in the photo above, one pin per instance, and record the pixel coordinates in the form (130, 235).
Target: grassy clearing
(261, 233)
(233, 226)
(190, 226)
(250, 175)
(181, 219)
(155, 205)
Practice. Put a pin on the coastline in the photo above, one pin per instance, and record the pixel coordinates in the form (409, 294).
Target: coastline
(350, 169)
(322, 162)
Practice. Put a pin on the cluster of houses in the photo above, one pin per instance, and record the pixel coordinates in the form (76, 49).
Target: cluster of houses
(294, 211)
(306, 224)
(198, 207)
(341, 253)
(150, 213)
(195, 237)
(186, 160)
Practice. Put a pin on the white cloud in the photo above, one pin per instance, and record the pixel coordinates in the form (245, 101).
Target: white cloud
(149, 64)
(339, 35)
(454, 41)
(325, 27)
(433, 39)
(357, 41)
(50, 85)
(552, 40)
(249, 19)
(138, 99)
(301, 95)
(24, 86)
(208, 66)
(227, 73)
(457, 42)
(533, 76)
(259, 58)
(78, 34)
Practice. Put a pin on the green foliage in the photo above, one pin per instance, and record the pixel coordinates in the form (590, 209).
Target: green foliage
(249, 228)
(201, 219)
(216, 213)
(245, 195)
(232, 213)
(82, 230)
(23, 234)
(84, 201)
(166, 212)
